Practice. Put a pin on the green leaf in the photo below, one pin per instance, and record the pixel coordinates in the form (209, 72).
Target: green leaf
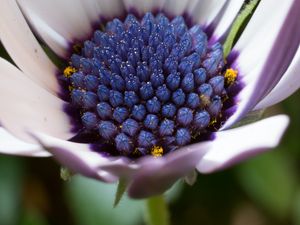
(156, 211)
(91, 201)
(11, 171)
(251, 117)
(270, 180)
(53, 57)
(32, 217)
(122, 185)
(237, 25)
(65, 174)
(296, 210)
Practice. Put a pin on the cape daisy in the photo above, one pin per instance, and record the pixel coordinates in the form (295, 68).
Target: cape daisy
(145, 93)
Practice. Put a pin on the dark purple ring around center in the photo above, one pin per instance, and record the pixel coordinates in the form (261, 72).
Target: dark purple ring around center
(183, 127)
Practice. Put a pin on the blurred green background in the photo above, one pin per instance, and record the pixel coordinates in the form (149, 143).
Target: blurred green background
(262, 191)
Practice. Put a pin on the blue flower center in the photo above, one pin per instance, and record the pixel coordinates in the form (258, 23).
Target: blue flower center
(148, 86)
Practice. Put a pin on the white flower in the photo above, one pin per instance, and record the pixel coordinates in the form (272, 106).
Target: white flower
(33, 122)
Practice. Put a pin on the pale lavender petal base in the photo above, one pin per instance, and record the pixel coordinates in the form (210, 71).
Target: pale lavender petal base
(151, 176)
(156, 175)
(265, 57)
(11, 145)
(233, 146)
(26, 105)
(147, 176)
(77, 157)
(289, 83)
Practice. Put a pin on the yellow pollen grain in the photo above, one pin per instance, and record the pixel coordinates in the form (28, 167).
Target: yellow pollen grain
(157, 151)
(136, 151)
(230, 76)
(194, 136)
(205, 100)
(71, 88)
(213, 122)
(77, 48)
(69, 70)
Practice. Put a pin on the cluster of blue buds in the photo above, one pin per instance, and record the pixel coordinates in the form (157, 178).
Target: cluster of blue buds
(148, 86)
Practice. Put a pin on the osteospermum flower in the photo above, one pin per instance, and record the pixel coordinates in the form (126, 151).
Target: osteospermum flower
(147, 93)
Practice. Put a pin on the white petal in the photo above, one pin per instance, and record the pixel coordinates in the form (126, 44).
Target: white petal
(229, 13)
(205, 11)
(54, 40)
(155, 175)
(67, 17)
(289, 83)
(143, 6)
(61, 23)
(23, 47)
(25, 105)
(235, 145)
(81, 159)
(57, 22)
(175, 7)
(112, 8)
(14, 146)
(266, 48)
(92, 9)
(95, 9)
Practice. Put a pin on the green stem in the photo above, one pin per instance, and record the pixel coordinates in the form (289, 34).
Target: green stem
(122, 185)
(237, 24)
(156, 211)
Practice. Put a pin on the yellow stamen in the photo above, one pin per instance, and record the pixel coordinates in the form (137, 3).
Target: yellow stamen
(213, 122)
(69, 70)
(205, 100)
(136, 152)
(77, 48)
(230, 76)
(157, 151)
(194, 136)
(71, 88)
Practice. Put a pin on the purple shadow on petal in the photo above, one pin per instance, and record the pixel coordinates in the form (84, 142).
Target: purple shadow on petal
(279, 58)
(77, 165)
(279, 64)
(230, 106)
(210, 27)
(74, 117)
(155, 175)
(104, 148)
(232, 57)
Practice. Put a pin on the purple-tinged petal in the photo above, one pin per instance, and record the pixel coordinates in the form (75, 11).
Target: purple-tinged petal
(79, 158)
(229, 13)
(13, 146)
(25, 105)
(60, 23)
(204, 12)
(264, 57)
(175, 8)
(107, 9)
(58, 43)
(24, 49)
(57, 22)
(233, 146)
(155, 175)
(288, 84)
(143, 6)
